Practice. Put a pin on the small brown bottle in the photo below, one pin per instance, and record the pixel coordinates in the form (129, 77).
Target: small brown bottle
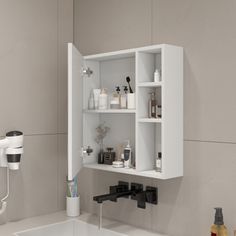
(152, 106)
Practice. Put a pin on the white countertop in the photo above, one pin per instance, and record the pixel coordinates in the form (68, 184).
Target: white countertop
(12, 227)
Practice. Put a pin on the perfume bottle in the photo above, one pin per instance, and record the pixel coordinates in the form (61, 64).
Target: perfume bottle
(158, 107)
(158, 164)
(109, 156)
(152, 106)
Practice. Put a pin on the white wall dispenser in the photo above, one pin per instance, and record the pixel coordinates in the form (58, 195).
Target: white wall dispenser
(11, 149)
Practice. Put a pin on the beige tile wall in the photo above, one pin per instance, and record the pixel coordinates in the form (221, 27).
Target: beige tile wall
(206, 29)
(104, 25)
(33, 99)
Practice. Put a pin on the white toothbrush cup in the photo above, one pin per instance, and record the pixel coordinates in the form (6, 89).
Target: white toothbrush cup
(73, 206)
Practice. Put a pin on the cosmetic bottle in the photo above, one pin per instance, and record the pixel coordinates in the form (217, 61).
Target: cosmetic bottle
(218, 228)
(96, 93)
(158, 113)
(118, 94)
(152, 106)
(158, 164)
(123, 98)
(91, 105)
(109, 156)
(101, 157)
(115, 99)
(127, 155)
(157, 76)
(102, 104)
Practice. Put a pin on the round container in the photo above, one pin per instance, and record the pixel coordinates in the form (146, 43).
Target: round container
(131, 100)
(103, 97)
(114, 104)
(73, 206)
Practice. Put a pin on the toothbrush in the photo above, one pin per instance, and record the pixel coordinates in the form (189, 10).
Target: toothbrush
(128, 81)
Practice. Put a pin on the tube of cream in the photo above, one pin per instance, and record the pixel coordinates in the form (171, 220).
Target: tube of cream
(96, 93)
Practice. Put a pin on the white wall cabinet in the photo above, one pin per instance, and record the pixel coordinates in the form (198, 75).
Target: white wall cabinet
(147, 136)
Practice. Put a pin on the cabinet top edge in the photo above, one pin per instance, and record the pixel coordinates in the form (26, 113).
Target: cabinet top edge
(127, 52)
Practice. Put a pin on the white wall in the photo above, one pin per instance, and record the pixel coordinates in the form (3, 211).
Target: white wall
(206, 30)
(33, 98)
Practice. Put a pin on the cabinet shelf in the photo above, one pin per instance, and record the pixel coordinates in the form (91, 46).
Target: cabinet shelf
(147, 173)
(150, 120)
(110, 111)
(150, 84)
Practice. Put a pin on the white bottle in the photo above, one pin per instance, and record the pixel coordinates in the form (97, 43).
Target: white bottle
(158, 164)
(123, 98)
(157, 76)
(102, 104)
(96, 93)
(91, 105)
(127, 156)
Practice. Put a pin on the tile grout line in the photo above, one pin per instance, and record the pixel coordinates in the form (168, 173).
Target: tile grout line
(57, 172)
(185, 140)
(208, 141)
(45, 134)
(151, 38)
(73, 22)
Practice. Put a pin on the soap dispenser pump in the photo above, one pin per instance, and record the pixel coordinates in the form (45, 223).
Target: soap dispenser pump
(127, 155)
(123, 98)
(218, 228)
(118, 94)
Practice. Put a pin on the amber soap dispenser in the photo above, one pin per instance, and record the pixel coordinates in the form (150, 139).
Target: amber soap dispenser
(218, 228)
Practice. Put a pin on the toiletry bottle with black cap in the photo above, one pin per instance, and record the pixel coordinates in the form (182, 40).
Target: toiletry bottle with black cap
(123, 98)
(117, 96)
(218, 228)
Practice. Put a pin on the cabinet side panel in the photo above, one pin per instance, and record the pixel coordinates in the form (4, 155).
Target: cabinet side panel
(172, 111)
(74, 111)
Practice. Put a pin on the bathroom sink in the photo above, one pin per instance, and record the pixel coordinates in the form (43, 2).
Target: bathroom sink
(68, 228)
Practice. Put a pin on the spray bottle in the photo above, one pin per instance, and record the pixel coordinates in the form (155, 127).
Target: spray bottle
(218, 228)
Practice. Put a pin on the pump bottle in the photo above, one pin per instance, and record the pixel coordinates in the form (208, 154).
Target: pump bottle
(127, 155)
(218, 228)
(123, 98)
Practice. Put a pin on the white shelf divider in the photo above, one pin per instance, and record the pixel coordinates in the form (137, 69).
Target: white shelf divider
(110, 111)
(150, 120)
(110, 168)
(150, 84)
